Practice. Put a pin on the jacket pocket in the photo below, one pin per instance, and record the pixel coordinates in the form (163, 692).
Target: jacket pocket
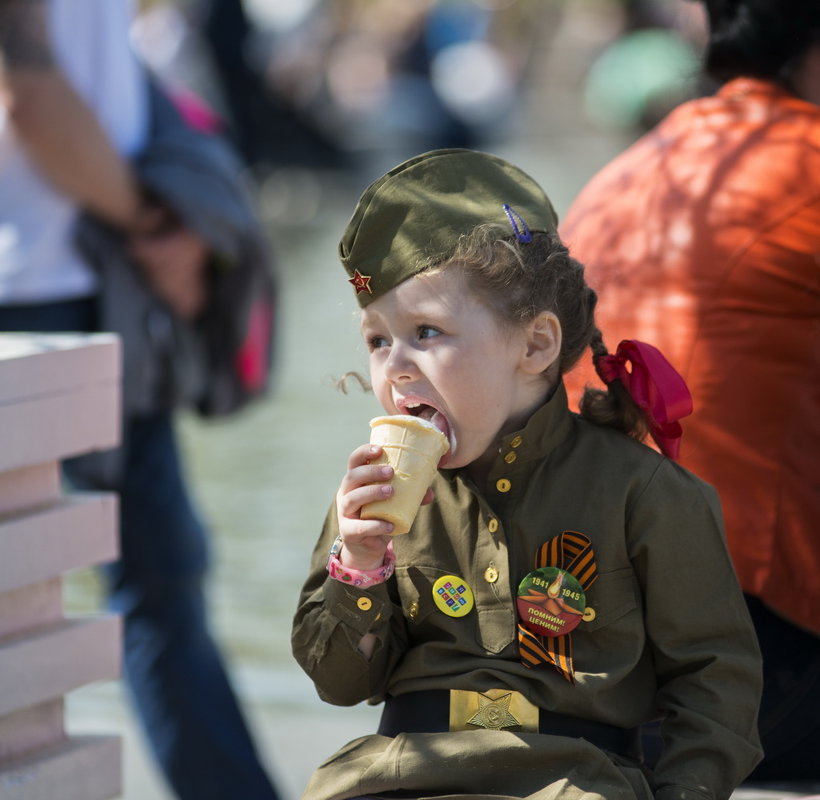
(613, 595)
(415, 592)
(493, 628)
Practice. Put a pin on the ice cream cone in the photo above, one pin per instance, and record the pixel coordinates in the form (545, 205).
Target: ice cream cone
(413, 447)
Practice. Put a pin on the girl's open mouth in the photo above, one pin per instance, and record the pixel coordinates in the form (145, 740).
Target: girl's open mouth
(422, 410)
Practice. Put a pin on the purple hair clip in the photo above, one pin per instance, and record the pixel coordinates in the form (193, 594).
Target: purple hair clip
(524, 236)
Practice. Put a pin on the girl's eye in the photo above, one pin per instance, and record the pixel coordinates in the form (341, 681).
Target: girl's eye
(375, 342)
(428, 332)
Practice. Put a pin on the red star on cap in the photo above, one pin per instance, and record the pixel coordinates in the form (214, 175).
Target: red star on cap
(360, 282)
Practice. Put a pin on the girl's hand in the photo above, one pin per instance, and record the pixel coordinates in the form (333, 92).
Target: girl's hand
(364, 540)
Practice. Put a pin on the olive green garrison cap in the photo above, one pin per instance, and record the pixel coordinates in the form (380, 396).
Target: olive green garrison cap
(414, 215)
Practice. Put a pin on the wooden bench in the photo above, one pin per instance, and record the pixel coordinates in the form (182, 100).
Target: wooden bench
(59, 397)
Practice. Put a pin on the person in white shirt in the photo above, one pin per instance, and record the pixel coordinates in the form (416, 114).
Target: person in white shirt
(73, 111)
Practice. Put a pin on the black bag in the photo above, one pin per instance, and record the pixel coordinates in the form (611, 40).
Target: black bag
(224, 360)
(236, 339)
(215, 365)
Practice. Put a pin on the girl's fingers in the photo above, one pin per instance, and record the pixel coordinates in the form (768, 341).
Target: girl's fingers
(367, 475)
(363, 454)
(363, 483)
(350, 503)
(361, 472)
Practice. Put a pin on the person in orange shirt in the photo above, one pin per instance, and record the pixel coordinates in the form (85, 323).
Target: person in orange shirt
(703, 238)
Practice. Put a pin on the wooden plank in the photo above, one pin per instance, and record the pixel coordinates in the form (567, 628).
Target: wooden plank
(54, 427)
(82, 768)
(79, 530)
(47, 663)
(33, 485)
(31, 729)
(32, 606)
(42, 364)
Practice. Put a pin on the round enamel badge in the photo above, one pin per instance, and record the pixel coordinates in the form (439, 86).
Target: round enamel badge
(452, 596)
(550, 601)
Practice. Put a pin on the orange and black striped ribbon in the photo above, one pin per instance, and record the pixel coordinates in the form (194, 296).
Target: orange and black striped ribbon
(570, 551)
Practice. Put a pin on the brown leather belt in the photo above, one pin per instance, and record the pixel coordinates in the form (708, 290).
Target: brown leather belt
(441, 710)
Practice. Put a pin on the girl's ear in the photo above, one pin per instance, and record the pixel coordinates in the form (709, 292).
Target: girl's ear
(542, 343)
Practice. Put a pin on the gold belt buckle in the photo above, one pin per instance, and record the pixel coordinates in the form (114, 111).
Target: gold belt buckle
(494, 709)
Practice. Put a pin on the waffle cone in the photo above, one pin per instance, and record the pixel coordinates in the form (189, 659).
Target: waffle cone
(413, 447)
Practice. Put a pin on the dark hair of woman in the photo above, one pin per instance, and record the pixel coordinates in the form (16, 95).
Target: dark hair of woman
(764, 39)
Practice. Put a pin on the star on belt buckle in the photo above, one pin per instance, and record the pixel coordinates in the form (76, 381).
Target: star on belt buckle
(493, 709)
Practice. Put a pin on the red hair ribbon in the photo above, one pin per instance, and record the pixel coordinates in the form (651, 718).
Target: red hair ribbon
(655, 385)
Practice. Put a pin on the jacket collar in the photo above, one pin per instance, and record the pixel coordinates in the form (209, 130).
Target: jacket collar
(548, 427)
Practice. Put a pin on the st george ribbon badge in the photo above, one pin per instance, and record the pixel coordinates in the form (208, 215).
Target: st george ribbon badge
(552, 601)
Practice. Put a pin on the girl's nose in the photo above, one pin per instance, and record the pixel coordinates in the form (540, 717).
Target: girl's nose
(400, 366)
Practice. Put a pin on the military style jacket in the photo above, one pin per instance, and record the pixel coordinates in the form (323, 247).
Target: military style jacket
(670, 637)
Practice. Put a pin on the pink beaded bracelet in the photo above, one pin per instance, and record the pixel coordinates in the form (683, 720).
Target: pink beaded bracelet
(358, 577)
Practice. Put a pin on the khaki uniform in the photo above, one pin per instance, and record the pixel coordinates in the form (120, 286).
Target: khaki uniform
(671, 633)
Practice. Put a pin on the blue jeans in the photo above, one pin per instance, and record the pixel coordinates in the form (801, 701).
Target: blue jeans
(173, 667)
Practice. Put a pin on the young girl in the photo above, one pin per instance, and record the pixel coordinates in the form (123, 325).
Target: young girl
(563, 583)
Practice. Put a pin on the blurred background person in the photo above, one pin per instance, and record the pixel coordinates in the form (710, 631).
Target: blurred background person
(649, 65)
(76, 113)
(394, 79)
(268, 127)
(345, 82)
(704, 238)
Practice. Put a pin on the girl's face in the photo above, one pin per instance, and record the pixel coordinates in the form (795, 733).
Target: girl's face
(438, 353)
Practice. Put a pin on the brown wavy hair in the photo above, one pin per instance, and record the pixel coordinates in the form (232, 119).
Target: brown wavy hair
(519, 280)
